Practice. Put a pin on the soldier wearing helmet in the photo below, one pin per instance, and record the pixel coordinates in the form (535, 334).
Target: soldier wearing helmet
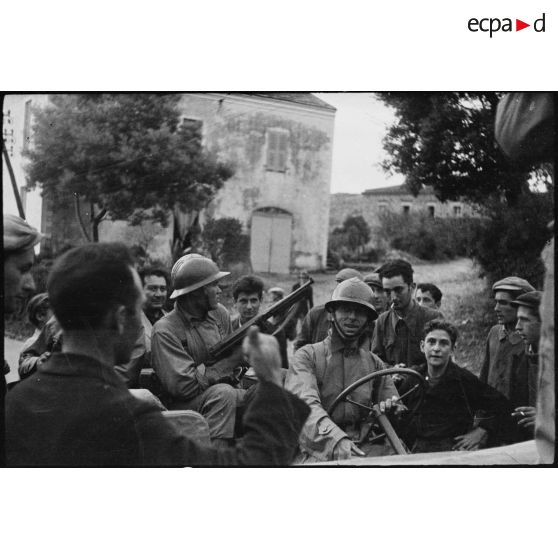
(320, 371)
(317, 322)
(180, 346)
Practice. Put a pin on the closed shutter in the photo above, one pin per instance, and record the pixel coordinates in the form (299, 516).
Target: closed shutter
(277, 145)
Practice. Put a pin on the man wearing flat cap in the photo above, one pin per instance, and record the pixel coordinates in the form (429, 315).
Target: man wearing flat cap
(317, 322)
(180, 344)
(504, 366)
(380, 301)
(528, 326)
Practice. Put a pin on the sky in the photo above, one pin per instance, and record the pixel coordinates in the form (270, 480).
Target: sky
(361, 121)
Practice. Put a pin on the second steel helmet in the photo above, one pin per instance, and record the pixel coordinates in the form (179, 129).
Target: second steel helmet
(192, 272)
(353, 290)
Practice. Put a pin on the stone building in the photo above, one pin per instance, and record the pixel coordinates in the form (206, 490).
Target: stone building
(16, 132)
(280, 146)
(397, 199)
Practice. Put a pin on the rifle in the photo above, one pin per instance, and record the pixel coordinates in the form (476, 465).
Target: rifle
(224, 346)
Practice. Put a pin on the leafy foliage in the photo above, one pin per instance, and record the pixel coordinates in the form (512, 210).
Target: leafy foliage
(349, 240)
(446, 140)
(225, 242)
(511, 240)
(429, 238)
(128, 154)
(357, 230)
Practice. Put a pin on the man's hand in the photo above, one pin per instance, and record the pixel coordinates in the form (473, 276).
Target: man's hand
(345, 449)
(526, 416)
(398, 378)
(392, 405)
(43, 358)
(473, 440)
(262, 352)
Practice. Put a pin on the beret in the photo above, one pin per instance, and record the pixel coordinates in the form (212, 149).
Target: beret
(348, 273)
(373, 279)
(19, 235)
(513, 284)
(530, 300)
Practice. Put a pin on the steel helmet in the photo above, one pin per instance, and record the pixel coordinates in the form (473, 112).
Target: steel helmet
(347, 273)
(192, 272)
(179, 263)
(353, 290)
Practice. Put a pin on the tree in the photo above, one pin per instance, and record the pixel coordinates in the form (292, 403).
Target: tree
(224, 240)
(127, 155)
(446, 140)
(357, 230)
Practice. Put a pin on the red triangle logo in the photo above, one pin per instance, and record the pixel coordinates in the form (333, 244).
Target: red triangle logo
(519, 25)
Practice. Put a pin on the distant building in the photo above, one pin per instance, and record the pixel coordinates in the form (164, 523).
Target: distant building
(396, 199)
(16, 132)
(280, 145)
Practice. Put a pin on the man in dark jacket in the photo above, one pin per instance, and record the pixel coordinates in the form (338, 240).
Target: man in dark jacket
(75, 411)
(453, 394)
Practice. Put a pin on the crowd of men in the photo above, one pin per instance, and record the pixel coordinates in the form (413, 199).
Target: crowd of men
(110, 361)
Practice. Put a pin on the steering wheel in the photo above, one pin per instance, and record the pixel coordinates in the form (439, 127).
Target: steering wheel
(374, 411)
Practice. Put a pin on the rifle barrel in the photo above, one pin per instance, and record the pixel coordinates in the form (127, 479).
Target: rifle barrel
(279, 307)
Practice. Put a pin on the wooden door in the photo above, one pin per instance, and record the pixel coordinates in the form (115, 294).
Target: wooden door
(270, 247)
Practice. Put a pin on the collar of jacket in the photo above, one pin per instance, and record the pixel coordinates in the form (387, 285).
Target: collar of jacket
(337, 343)
(410, 318)
(156, 315)
(513, 337)
(449, 372)
(188, 319)
(72, 364)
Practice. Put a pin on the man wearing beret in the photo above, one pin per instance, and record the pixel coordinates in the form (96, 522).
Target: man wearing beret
(19, 241)
(528, 326)
(504, 366)
(317, 322)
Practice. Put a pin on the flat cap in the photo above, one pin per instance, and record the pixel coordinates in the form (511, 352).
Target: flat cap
(19, 235)
(348, 273)
(513, 284)
(373, 279)
(530, 300)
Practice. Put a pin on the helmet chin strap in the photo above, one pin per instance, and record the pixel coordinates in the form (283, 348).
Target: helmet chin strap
(346, 337)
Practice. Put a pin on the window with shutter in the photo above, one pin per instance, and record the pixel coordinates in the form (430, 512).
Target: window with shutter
(277, 144)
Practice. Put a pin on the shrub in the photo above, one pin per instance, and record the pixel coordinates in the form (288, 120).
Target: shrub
(428, 238)
(224, 240)
(510, 241)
